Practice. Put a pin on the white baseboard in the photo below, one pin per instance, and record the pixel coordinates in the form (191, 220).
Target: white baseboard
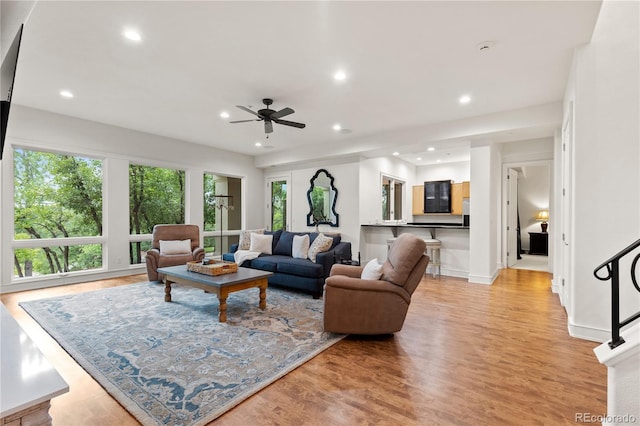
(481, 279)
(556, 287)
(455, 273)
(588, 333)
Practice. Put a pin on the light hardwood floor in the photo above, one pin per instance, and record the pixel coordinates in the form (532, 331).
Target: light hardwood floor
(468, 354)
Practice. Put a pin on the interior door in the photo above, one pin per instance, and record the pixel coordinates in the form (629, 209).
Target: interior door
(278, 205)
(512, 217)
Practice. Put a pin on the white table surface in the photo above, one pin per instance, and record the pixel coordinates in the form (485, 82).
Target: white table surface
(27, 378)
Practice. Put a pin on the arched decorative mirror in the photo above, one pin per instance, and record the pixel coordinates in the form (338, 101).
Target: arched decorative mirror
(322, 197)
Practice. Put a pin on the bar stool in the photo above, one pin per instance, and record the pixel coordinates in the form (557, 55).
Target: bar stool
(433, 251)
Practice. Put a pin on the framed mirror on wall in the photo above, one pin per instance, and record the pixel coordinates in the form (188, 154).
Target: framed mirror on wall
(322, 196)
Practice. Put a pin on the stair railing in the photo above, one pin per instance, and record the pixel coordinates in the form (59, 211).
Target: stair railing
(612, 266)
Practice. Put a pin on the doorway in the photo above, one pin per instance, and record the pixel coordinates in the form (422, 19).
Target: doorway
(279, 205)
(527, 198)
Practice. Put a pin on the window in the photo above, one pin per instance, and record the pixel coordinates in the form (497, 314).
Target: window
(392, 198)
(222, 212)
(57, 213)
(156, 196)
(278, 205)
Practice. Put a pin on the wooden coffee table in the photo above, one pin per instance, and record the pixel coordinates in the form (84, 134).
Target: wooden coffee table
(221, 285)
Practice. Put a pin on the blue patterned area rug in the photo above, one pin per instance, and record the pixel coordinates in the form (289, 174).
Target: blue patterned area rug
(174, 363)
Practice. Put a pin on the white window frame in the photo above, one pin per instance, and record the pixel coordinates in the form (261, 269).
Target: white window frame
(393, 180)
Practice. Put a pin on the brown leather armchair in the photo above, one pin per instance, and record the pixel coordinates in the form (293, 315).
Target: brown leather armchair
(356, 306)
(156, 260)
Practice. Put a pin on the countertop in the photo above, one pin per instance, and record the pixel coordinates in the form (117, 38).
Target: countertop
(27, 376)
(427, 225)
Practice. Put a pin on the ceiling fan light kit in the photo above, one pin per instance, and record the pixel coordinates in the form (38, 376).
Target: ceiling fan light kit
(270, 116)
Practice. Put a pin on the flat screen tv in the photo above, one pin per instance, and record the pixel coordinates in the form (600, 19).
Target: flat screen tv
(7, 78)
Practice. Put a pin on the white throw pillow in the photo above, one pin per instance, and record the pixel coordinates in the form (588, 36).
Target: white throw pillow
(321, 244)
(300, 246)
(245, 238)
(175, 247)
(372, 271)
(261, 243)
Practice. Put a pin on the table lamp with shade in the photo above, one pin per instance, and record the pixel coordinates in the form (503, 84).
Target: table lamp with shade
(543, 215)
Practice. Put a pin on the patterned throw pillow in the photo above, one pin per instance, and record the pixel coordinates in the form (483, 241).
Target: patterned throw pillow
(320, 244)
(245, 238)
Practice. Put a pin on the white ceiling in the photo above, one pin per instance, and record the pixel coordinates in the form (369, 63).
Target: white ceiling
(407, 63)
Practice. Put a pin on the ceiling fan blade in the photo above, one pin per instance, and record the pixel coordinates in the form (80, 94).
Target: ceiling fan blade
(245, 121)
(290, 123)
(244, 108)
(268, 127)
(282, 113)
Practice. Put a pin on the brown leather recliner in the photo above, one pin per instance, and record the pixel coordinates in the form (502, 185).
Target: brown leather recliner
(156, 260)
(356, 306)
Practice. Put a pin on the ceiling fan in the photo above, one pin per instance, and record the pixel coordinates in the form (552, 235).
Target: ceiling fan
(270, 116)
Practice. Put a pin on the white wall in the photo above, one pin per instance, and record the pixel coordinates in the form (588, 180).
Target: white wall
(458, 171)
(606, 197)
(373, 241)
(346, 177)
(36, 129)
(485, 197)
(358, 181)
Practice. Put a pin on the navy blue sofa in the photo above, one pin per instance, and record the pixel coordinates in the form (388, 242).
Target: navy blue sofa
(299, 274)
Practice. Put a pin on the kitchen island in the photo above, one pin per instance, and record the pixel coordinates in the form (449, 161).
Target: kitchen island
(454, 253)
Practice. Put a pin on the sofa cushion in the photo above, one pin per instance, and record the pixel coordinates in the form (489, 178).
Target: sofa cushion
(276, 237)
(372, 271)
(175, 247)
(261, 243)
(229, 258)
(267, 263)
(300, 247)
(300, 267)
(320, 244)
(403, 256)
(245, 238)
(174, 259)
(336, 238)
(285, 242)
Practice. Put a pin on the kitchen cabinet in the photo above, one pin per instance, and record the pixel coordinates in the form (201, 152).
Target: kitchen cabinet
(417, 200)
(456, 199)
(459, 191)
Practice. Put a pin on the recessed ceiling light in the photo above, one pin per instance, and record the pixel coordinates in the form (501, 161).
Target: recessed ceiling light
(418, 158)
(66, 94)
(132, 35)
(340, 75)
(337, 127)
(396, 153)
(431, 148)
(438, 160)
(465, 99)
(224, 114)
(258, 144)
